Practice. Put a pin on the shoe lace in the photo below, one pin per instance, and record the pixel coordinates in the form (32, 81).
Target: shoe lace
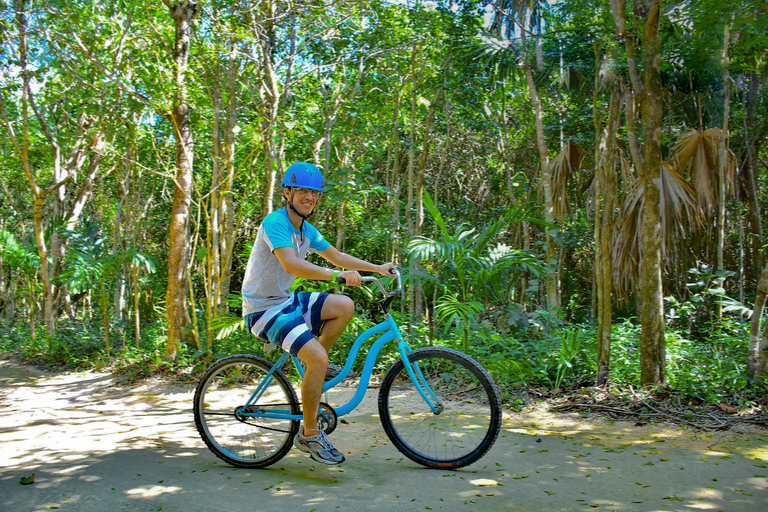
(323, 440)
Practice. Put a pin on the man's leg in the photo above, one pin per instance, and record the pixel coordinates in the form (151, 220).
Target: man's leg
(336, 313)
(315, 359)
(312, 440)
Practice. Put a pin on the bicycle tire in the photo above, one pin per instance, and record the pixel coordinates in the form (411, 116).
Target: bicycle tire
(469, 420)
(237, 439)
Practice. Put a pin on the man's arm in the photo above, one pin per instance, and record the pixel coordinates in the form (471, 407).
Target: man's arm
(344, 260)
(302, 268)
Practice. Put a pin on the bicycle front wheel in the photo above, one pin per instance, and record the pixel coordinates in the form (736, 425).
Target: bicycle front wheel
(468, 416)
(233, 429)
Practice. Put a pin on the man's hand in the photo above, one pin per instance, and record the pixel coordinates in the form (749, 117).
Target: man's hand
(387, 269)
(352, 278)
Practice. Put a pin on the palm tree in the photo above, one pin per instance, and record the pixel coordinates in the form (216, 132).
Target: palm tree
(473, 271)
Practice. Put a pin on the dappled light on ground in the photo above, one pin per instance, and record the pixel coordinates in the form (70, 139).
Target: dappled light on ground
(152, 491)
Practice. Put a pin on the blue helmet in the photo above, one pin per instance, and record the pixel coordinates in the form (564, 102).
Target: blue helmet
(304, 175)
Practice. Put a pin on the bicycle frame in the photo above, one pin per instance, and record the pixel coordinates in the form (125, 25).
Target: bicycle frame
(387, 331)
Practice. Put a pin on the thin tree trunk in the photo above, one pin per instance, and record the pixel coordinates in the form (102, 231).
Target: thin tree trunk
(394, 183)
(751, 105)
(414, 291)
(418, 193)
(722, 163)
(604, 222)
(227, 207)
(758, 341)
(4, 286)
(176, 297)
(105, 315)
(546, 180)
(22, 147)
(8, 296)
(269, 92)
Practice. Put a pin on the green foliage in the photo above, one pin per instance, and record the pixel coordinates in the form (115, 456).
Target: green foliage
(472, 270)
(707, 370)
(372, 81)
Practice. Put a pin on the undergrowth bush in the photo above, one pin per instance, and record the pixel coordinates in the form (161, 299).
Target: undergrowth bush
(707, 369)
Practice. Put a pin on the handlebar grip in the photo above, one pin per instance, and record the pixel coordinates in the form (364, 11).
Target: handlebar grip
(341, 280)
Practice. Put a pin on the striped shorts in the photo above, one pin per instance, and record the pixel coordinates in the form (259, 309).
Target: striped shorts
(292, 324)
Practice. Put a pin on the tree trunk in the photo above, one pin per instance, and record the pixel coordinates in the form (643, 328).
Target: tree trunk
(721, 168)
(758, 341)
(553, 302)
(414, 290)
(652, 343)
(263, 29)
(750, 168)
(604, 222)
(393, 156)
(176, 296)
(7, 302)
(22, 147)
(227, 208)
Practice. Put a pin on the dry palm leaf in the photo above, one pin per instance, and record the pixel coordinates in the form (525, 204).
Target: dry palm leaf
(566, 162)
(698, 153)
(680, 215)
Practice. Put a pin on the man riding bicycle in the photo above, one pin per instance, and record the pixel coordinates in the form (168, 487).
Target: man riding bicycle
(305, 324)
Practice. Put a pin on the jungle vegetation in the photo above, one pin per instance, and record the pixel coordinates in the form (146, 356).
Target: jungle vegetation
(576, 190)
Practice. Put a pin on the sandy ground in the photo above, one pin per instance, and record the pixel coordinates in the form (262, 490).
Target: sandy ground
(96, 446)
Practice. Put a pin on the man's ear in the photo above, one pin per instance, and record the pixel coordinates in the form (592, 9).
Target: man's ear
(287, 193)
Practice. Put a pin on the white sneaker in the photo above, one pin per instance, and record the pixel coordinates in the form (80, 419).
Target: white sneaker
(319, 447)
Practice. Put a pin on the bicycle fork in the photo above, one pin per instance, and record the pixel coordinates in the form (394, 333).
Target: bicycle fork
(416, 375)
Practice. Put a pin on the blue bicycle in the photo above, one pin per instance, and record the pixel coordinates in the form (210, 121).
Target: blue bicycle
(438, 406)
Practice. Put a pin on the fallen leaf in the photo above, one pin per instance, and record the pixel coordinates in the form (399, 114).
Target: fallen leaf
(727, 408)
(27, 480)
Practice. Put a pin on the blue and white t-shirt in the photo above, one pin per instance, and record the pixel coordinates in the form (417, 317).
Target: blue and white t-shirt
(266, 283)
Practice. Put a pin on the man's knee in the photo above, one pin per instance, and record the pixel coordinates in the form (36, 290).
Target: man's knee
(339, 306)
(313, 353)
(347, 306)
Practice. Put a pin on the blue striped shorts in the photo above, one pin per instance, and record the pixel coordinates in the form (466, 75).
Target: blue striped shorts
(292, 324)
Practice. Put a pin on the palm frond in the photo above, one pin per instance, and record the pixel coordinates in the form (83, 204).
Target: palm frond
(567, 162)
(679, 205)
(226, 324)
(450, 309)
(435, 212)
(681, 215)
(698, 153)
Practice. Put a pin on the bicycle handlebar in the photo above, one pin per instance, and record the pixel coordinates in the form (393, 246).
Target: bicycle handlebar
(376, 280)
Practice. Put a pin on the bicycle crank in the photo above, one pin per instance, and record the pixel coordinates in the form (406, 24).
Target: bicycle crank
(326, 418)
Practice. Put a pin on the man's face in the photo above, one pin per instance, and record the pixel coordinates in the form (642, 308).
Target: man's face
(304, 199)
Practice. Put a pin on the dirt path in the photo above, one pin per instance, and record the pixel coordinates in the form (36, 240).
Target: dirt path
(95, 446)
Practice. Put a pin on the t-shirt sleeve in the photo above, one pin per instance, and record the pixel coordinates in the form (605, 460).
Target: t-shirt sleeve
(317, 242)
(276, 233)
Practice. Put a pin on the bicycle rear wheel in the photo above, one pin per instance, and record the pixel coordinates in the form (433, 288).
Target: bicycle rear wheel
(229, 429)
(468, 419)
